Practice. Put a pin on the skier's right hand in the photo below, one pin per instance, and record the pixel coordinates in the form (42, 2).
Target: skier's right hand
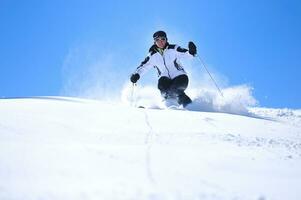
(135, 78)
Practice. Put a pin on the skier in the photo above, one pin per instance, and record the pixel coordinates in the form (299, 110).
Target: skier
(165, 57)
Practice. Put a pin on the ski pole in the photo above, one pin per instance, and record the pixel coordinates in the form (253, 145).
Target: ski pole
(203, 63)
(132, 95)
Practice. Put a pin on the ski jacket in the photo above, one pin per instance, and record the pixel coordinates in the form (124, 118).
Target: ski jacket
(166, 62)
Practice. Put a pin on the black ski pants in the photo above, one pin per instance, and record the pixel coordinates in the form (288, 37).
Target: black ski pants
(174, 88)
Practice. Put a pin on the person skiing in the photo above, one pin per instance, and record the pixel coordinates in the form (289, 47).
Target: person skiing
(165, 58)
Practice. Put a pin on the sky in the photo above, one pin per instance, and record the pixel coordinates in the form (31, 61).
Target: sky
(90, 47)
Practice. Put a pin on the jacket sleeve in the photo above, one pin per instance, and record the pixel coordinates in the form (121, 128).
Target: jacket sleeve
(145, 65)
(182, 52)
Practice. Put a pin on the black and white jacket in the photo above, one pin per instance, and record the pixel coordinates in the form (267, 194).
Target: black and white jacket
(167, 63)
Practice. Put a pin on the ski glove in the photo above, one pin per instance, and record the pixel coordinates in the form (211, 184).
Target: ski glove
(192, 48)
(135, 78)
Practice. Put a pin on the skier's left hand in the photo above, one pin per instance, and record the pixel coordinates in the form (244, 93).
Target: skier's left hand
(192, 48)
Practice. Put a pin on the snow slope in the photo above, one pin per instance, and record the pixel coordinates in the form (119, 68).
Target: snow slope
(67, 148)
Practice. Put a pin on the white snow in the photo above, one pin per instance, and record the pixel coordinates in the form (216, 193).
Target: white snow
(68, 148)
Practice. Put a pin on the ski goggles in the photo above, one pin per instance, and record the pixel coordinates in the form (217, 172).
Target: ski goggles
(160, 38)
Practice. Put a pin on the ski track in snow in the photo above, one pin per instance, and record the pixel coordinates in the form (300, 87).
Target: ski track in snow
(149, 141)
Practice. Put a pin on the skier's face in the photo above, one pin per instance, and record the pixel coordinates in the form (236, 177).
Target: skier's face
(160, 42)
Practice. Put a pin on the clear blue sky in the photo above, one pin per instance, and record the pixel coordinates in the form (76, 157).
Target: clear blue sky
(46, 43)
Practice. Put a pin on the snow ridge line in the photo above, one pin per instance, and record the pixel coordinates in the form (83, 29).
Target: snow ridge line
(149, 141)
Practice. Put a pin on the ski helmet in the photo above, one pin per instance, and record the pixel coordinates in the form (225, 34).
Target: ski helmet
(159, 34)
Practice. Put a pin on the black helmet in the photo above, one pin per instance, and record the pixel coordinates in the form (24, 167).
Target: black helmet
(159, 34)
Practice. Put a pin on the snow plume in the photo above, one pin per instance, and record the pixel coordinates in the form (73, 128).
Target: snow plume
(206, 97)
(89, 72)
(235, 100)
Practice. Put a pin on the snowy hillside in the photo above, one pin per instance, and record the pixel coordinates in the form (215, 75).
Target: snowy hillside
(66, 148)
